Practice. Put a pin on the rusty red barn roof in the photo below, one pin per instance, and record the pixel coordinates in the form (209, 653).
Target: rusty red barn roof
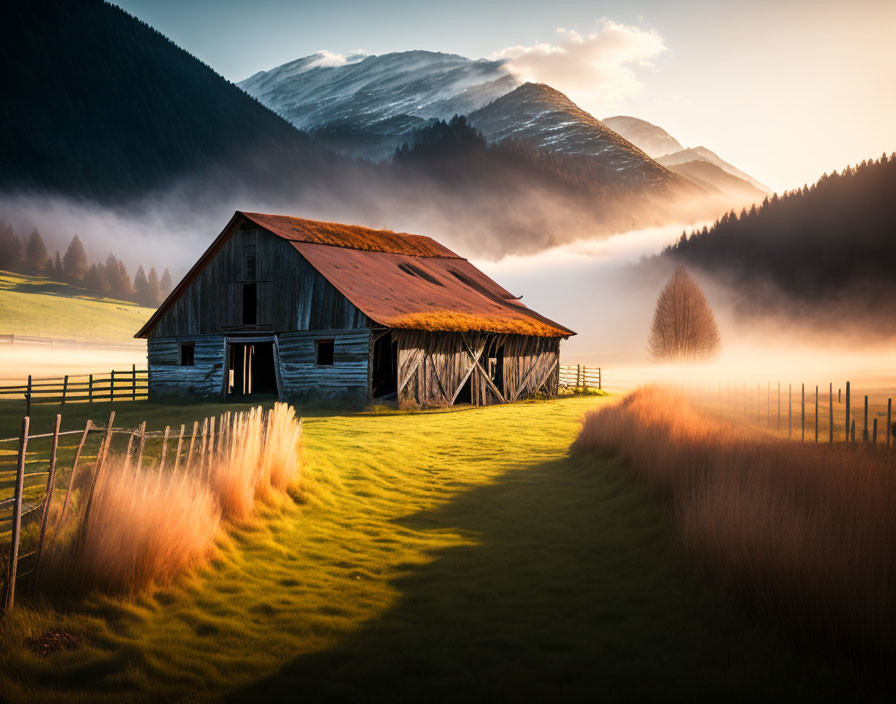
(396, 279)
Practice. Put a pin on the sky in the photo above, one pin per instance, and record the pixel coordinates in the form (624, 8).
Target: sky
(784, 90)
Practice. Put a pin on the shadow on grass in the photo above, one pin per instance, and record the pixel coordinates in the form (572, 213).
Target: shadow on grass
(569, 589)
(52, 288)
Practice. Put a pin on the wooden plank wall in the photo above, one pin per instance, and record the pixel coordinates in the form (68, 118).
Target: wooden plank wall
(433, 367)
(292, 295)
(168, 378)
(345, 380)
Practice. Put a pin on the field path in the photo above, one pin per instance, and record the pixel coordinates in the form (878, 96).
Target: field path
(458, 555)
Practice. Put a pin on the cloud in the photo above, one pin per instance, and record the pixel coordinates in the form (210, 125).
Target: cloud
(327, 59)
(594, 69)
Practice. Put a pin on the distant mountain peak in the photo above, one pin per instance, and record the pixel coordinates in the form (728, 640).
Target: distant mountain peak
(654, 140)
(544, 117)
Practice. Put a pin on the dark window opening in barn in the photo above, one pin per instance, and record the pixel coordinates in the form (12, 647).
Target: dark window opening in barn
(187, 354)
(465, 395)
(250, 304)
(250, 368)
(385, 367)
(325, 350)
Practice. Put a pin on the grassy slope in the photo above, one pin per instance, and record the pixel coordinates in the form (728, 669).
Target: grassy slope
(460, 553)
(34, 305)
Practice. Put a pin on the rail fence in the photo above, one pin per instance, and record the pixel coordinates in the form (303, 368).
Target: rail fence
(578, 377)
(117, 385)
(42, 472)
(811, 414)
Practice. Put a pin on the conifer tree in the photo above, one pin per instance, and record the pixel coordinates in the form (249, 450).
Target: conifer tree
(37, 259)
(141, 287)
(165, 284)
(153, 291)
(95, 280)
(119, 281)
(56, 272)
(10, 248)
(684, 328)
(74, 263)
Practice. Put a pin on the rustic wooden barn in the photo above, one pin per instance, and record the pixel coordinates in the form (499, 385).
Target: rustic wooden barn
(303, 309)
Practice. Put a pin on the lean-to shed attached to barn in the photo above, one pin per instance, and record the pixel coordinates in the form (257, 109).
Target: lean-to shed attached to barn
(304, 309)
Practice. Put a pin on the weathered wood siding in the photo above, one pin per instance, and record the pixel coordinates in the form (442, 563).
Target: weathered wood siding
(434, 367)
(167, 378)
(292, 295)
(346, 379)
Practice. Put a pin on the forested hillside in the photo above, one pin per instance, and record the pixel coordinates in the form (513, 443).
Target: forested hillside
(831, 243)
(99, 104)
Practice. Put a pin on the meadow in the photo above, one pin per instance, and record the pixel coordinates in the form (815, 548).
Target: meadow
(447, 555)
(36, 305)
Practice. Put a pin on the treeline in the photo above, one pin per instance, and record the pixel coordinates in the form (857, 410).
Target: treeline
(831, 242)
(29, 255)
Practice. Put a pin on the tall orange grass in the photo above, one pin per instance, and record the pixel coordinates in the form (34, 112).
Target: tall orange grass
(802, 533)
(137, 527)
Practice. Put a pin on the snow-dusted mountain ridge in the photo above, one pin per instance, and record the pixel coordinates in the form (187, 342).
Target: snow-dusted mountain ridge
(378, 96)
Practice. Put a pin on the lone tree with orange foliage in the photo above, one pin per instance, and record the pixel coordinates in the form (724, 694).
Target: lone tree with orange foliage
(683, 328)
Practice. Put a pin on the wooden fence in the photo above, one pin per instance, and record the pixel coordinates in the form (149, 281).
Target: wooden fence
(125, 385)
(809, 413)
(34, 487)
(578, 377)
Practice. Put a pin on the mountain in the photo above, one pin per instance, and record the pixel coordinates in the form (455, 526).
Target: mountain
(367, 105)
(545, 118)
(98, 104)
(703, 154)
(655, 141)
(823, 253)
(712, 177)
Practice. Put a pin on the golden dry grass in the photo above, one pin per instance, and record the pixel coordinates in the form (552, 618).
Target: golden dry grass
(459, 321)
(801, 533)
(142, 526)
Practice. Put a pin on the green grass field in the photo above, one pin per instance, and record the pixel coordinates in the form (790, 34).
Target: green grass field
(436, 556)
(34, 305)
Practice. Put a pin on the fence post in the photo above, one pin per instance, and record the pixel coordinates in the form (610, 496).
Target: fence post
(889, 420)
(164, 447)
(865, 428)
(192, 443)
(803, 438)
(64, 388)
(874, 433)
(852, 431)
(831, 411)
(779, 406)
(17, 515)
(28, 398)
(71, 479)
(847, 424)
(133, 382)
(111, 386)
(51, 485)
(600, 380)
(90, 389)
(141, 445)
(180, 442)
